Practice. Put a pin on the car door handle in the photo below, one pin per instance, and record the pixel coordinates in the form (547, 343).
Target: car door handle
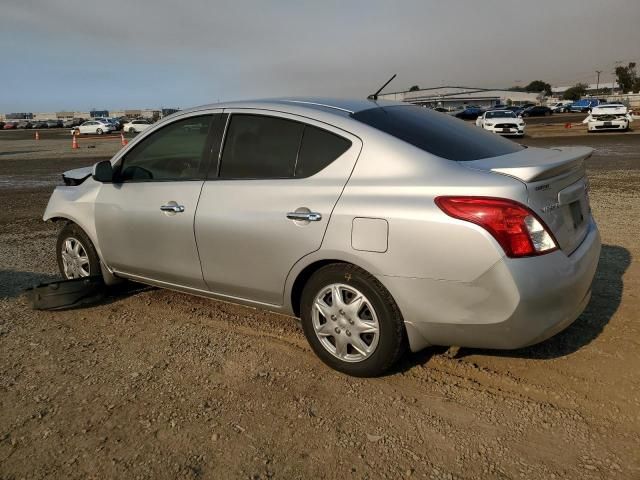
(305, 216)
(172, 208)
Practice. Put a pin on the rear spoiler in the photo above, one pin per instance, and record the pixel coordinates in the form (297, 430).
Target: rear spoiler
(534, 164)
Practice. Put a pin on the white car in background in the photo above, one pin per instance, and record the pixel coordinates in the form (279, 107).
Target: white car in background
(112, 120)
(97, 127)
(560, 107)
(610, 116)
(136, 126)
(504, 122)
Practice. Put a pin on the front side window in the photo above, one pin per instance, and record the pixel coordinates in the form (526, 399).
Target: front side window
(175, 152)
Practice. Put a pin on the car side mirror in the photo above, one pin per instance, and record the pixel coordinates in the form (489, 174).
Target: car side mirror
(103, 172)
(519, 116)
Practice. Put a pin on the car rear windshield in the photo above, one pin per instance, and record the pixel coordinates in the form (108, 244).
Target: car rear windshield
(437, 133)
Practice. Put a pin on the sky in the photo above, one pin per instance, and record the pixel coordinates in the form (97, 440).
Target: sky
(112, 54)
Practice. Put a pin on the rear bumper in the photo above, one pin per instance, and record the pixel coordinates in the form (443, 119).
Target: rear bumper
(517, 302)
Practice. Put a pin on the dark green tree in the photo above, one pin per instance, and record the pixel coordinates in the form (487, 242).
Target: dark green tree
(575, 92)
(414, 88)
(538, 86)
(627, 77)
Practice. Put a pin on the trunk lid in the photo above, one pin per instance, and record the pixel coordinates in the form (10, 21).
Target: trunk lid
(557, 187)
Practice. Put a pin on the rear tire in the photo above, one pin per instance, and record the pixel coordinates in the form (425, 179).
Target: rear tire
(76, 255)
(363, 339)
(99, 131)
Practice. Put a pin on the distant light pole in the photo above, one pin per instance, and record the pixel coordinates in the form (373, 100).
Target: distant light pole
(598, 82)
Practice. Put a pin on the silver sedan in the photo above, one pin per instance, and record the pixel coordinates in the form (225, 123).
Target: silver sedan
(381, 225)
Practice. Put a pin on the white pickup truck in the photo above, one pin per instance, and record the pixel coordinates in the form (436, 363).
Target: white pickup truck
(611, 116)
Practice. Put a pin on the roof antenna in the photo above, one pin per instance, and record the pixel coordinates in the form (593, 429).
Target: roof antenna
(375, 95)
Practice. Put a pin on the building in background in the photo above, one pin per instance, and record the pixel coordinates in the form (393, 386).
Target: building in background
(18, 116)
(169, 111)
(592, 88)
(67, 115)
(98, 113)
(456, 97)
(44, 116)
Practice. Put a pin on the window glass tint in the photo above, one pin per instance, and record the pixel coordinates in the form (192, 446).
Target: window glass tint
(318, 149)
(173, 153)
(260, 147)
(437, 133)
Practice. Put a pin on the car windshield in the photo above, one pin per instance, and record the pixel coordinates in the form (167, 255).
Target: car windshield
(438, 134)
(500, 114)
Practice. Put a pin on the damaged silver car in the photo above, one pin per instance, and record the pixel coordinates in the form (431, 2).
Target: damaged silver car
(381, 225)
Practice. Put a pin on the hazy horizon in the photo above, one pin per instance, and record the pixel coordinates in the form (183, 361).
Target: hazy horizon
(67, 55)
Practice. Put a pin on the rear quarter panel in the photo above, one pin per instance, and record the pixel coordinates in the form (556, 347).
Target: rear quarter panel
(397, 182)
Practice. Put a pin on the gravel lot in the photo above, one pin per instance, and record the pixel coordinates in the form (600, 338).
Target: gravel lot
(157, 384)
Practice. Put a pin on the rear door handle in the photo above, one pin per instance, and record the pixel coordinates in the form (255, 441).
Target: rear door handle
(172, 208)
(305, 216)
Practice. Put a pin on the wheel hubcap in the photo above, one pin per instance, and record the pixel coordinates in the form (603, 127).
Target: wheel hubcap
(345, 323)
(75, 260)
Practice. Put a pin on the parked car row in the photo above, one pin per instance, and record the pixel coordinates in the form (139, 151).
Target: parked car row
(107, 125)
(26, 124)
(527, 110)
(81, 125)
(472, 112)
(580, 106)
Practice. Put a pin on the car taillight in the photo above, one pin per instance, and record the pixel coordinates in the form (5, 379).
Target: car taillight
(517, 229)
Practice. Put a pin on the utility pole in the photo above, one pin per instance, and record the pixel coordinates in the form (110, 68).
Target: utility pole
(598, 82)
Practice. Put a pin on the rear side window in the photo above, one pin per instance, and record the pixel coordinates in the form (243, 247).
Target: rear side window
(437, 133)
(257, 146)
(262, 147)
(318, 149)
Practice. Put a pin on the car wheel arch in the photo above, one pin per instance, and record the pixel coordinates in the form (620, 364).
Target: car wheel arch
(67, 219)
(107, 275)
(301, 280)
(303, 276)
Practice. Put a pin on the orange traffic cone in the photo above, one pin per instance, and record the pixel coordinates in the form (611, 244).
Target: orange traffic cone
(123, 141)
(37, 135)
(74, 143)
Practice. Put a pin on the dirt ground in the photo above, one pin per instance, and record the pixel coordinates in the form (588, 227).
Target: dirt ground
(156, 384)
